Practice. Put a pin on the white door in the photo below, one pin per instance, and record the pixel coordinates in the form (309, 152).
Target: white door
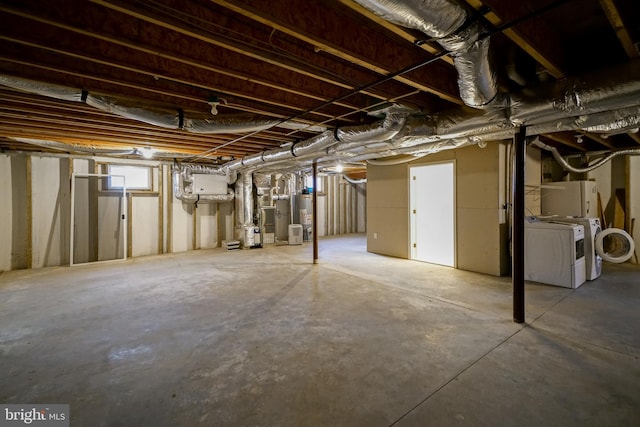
(432, 194)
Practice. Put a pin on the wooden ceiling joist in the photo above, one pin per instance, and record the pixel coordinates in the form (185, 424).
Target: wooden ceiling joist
(615, 19)
(368, 49)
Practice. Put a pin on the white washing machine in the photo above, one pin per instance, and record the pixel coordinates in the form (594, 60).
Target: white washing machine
(554, 253)
(593, 261)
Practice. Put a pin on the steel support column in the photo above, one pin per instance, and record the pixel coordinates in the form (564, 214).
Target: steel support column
(314, 214)
(517, 224)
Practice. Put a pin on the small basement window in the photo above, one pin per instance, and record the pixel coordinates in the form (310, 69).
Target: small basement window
(311, 187)
(135, 177)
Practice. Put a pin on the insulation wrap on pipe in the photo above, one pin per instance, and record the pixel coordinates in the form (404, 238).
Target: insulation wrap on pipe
(567, 166)
(436, 18)
(247, 198)
(446, 21)
(221, 125)
(163, 118)
(44, 89)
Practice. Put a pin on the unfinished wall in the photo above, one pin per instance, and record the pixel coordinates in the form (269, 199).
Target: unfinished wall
(145, 218)
(111, 229)
(388, 210)
(633, 202)
(6, 213)
(341, 207)
(36, 225)
(50, 208)
(207, 225)
(480, 238)
(532, 181)
(85, 222)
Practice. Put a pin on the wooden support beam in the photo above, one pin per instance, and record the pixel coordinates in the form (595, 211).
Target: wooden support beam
(334, 33)
(150, 69)
(635, 136)
(615, 19)
(600, 140)
(397, 30)
(536, 38)
(227, 63)
(564, 140)
(270, 49)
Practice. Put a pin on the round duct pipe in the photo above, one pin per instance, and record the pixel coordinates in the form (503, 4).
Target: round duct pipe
(614, 245)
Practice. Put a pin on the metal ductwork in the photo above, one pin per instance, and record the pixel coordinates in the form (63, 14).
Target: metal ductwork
(166, 118)
(311, 145)
(607, 101)
(247, 198)
(616, 107)
(221, 125)
(355, 181)
(450, 25)
(77, 148)
(382, 130)
(45, 89)
(568, 167)
(618, 126)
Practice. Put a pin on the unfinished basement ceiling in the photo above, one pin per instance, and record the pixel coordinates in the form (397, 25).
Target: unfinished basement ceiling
(306, 66)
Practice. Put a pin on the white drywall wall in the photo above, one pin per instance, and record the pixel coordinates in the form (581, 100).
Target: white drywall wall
(206, 221)
(50, 198)
(144, 225)
(6, 234)
(633, 209)
(182, 226)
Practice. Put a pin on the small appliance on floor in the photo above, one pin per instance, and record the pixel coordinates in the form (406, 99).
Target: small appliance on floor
(554, 253)
(593, 261)
(295, 234)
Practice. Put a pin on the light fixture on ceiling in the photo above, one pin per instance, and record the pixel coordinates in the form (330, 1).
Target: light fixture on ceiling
(579, 139)
(214, 101)
(339, 168)
(146, 152)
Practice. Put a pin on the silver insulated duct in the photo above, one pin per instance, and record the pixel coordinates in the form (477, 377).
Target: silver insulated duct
(447, 23)
(162, 117)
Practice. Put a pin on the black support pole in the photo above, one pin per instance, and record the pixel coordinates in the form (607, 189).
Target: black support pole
(517, 224)
(314, 210)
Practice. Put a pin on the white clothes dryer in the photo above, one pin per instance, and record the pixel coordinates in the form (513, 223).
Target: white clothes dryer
(554, 253)
(593, 261)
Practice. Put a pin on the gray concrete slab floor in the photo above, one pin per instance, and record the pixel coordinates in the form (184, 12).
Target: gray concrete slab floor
(263, 337)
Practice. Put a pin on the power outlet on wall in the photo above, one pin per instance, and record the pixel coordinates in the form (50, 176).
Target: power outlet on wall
(375, 236)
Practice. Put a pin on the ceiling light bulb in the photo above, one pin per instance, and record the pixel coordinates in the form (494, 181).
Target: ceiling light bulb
(339, 168)
(147, 152)
(214, 107)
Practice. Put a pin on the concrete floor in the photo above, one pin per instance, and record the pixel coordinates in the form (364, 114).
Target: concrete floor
(264, 338)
